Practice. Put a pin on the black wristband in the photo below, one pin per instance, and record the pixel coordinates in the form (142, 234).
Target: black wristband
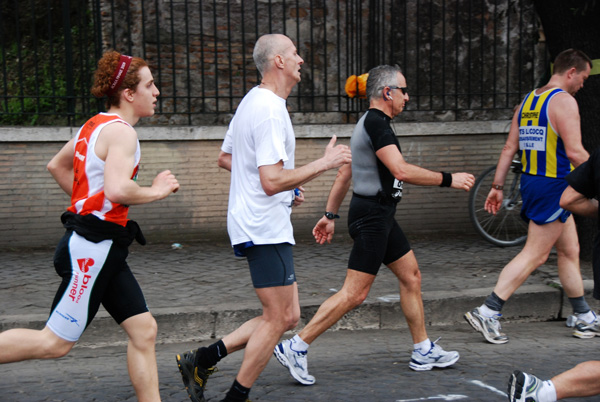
(446, 179)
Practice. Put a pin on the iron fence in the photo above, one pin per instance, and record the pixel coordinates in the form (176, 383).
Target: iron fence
(463, 59)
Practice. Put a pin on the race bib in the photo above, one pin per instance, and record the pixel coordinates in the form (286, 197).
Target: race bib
(397, 189)
(532, 138)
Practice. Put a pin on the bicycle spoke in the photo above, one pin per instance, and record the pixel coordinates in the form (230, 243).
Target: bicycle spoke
(506, 228)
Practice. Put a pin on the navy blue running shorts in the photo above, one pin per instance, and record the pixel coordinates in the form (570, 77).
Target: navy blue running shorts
(271, 265)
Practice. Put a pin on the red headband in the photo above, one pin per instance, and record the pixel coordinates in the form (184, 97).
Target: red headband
(119, 74)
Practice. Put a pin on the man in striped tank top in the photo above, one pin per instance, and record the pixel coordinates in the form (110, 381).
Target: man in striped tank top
(546, 132)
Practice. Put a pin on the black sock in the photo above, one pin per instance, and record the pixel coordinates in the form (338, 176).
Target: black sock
(494, 302)
(237, 393)
(209, 356)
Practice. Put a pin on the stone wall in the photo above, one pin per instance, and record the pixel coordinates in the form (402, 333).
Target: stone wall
(31, 202)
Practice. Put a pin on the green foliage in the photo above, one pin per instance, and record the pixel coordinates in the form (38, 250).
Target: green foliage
(33, 77)
(35, 98)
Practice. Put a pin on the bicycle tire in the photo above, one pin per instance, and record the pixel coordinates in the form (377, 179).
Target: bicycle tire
(506, 228)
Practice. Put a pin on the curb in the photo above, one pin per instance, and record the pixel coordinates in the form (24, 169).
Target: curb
(194, 323)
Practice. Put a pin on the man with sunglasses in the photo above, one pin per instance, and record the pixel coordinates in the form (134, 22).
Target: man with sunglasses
(378, 171)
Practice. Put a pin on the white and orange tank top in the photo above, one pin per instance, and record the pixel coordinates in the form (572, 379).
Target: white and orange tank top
(88, 184)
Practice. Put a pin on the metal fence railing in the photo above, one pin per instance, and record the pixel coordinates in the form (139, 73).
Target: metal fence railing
(462, 59)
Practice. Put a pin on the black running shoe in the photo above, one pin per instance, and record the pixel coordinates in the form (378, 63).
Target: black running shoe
(194, 377)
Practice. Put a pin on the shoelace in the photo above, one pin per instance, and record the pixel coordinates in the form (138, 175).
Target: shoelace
(434, 346)
(209, 372)
(495, 322)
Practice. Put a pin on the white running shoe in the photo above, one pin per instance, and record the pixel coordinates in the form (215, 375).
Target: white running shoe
(436, 357)
(489, 327)
(295, 361)
(586, 330)
(523, 387)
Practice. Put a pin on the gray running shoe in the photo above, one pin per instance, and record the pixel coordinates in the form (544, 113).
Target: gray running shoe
(436, 357)
(489, 327)
(523, 387)
(571, 321)
(585, 330)
(295, 362)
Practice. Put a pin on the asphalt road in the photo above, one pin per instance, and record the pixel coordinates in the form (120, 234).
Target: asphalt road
(363, 365)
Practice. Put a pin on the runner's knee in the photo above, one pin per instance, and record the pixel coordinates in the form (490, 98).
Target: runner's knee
(53, 347)
(291, 320)
(145, 331)
(571, 253)
(411, 281)
(355, 298)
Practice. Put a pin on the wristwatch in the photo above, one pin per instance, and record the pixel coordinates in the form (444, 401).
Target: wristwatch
(331, 215)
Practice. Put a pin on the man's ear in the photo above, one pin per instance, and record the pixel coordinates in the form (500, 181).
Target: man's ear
(279, 61)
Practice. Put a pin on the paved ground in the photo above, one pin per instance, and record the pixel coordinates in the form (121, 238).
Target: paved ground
(201, 291)
(361, 366)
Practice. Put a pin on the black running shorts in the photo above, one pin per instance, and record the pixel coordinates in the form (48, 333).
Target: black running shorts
(377, 236)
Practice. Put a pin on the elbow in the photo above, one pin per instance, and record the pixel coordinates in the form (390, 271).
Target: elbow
(577, 158)
(269, 190)
(269, 187)
(221, 162)
(51, 167)
(115, 195)
(344, 176)
(56, 171)
(224, 161)
(400, 175)
(566, 201)
(510, 149)
(565, 204)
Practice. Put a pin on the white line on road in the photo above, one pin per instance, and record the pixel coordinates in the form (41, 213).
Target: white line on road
(450, 397)
(483, 385)
(389, 298)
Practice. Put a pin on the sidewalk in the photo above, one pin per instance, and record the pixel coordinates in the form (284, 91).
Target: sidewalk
(202, 291)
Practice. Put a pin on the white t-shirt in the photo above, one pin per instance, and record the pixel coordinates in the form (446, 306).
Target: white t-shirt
(259, 134)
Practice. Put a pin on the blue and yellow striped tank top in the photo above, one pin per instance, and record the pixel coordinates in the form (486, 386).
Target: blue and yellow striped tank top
(542, 150)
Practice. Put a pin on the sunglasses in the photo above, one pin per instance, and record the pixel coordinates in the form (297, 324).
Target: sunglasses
(403, 89)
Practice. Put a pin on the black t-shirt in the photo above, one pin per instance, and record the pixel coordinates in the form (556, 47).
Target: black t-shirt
(373, 134)
(585, 179)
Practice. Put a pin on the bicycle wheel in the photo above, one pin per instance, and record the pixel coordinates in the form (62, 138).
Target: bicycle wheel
(506, 228)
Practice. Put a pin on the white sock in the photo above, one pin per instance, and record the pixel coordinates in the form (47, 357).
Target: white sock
(299, 344)
(487, 312)
(588, 317)
(423, 347)
(547, 393)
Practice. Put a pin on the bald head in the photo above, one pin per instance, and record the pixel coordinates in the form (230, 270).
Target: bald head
(266, 48)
